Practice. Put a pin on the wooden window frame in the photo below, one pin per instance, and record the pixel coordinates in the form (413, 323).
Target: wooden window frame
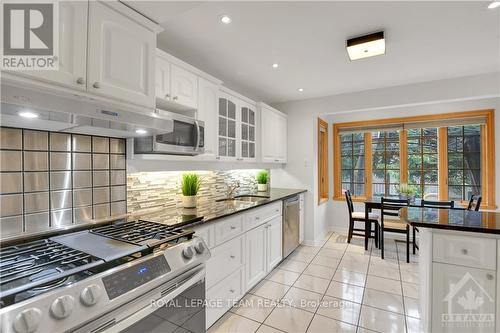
(323, 182)
(487, 153)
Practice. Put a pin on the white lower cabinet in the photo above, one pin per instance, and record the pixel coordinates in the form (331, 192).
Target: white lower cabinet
(244, 249)
(463, 299)
(255, 255)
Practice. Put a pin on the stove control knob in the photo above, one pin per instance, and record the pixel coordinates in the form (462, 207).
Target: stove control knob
(90, 295)
(200, 247)
(62, 307)
(188, 252)
(27, 321)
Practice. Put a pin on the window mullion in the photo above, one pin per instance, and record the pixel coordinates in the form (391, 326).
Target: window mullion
(443, 163)
(368, 164)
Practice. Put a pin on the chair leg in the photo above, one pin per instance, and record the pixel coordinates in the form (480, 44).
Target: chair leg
(414, 240)
(349, 234)
(367, 228)
(381, 242)
(408, 244)
(376, 234)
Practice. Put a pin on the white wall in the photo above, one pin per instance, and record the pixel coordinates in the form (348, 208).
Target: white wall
(461, 94)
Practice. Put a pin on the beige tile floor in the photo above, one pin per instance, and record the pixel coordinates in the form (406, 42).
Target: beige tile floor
(336, 287)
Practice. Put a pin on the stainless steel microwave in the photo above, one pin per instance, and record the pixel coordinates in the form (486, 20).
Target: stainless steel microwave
(185, 136)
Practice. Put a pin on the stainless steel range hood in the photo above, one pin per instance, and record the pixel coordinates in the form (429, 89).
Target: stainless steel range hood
(75, 114)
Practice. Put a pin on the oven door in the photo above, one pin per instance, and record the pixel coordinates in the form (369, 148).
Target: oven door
(176, 305)
(187, 138)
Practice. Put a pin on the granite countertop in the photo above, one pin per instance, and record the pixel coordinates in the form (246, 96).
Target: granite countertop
(211, 210)
(452, 219)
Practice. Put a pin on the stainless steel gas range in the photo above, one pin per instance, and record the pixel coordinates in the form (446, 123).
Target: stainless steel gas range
(132, 276)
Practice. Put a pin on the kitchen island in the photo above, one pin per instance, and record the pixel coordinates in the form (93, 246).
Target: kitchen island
(458, 268)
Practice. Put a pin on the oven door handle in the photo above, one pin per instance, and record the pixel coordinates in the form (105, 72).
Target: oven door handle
(198, 134)
(176, 290)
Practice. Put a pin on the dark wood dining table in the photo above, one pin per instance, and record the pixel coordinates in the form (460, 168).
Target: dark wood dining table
(376, 203)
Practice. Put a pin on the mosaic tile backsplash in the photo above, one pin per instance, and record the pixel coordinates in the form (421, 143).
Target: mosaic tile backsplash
(149, 190)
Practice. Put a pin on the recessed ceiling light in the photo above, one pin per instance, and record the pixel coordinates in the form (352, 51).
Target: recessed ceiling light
(225, 19)
(28, 114)
(300, 89)
(141, 131)
(494, 4)
(275, 65)
(366, 46)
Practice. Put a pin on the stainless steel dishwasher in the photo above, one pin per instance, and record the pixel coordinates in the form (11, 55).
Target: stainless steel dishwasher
(291, 224)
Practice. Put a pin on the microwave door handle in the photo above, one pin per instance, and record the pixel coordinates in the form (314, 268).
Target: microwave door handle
(197, 146)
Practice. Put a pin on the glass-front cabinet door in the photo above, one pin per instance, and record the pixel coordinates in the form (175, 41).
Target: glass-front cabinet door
(247, 123)
(227, 128)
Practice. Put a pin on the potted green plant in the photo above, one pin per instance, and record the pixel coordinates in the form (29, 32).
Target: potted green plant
(406, 191)
(262, 177)
(191, 183)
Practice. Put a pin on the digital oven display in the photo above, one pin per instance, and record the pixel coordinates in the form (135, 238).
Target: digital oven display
(123, 281)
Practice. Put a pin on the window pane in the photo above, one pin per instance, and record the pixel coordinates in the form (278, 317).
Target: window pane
(392, 162)
(358, 137)
(431, 177)
(345, 137)
(464, 161)
(378, 176)
(358, 162)
(385, 162)
(430, 161)
(378, 161)
(346, 148)
(359, 176)
(414, 177)
(346, 175)
(359, 189)
(393, 176)
(346, 162)
(353, 162)
(414, 162)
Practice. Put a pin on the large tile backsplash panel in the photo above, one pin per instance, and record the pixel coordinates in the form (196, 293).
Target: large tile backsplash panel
(163, 189)
(50, 180)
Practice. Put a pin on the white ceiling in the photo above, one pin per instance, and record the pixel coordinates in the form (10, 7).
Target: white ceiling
(425, 41)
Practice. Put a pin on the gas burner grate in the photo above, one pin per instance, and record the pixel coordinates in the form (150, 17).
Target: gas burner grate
(143, 232)
(39, 263)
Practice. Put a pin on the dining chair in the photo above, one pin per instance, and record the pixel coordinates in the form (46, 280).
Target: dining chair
(431, 204)
(474, 202)
(390, 209)
(360, 217)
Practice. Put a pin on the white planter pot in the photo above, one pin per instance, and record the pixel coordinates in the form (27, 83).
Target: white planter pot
(189, 201)
(262, 187)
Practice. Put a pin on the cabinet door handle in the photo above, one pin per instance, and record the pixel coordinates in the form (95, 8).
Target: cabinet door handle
(268, 225)
(80, 80)
(257, 218)
(464, 251)
(167, 96)
(231, 291)
(232, 257)
(233, 227)
(490, 276)
(96, 85)
(175, 98)
(217, 158)
(276, 160)
(239, 159)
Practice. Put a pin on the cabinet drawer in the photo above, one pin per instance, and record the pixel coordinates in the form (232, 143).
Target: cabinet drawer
(227, 229)
(258, 216)
(207, 233)
(465, 251)
(225, 259)
(222, 296)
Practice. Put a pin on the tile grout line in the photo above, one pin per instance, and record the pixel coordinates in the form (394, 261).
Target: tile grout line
(364, 287)
(402, 290)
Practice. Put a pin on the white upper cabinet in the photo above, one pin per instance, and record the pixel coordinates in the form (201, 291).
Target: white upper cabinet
(72, 48)
(208, 102)
(274, 135)
(121, 56)
(237, 129)
(176, 87)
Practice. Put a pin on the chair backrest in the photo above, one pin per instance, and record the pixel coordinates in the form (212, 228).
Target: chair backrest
(391, 207)
(474, 202)
(350, 205)
(437, 204)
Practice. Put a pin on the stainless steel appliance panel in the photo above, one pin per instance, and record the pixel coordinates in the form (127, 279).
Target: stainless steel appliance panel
(117, 161)
(36, 222)
(118, 193)
(117, 146)
(61, 217)
(101, 178)
(82, 197)
(60, 199)
(101, 211)
(11, 160)
(118, 177)
(36, 140)
(291, 225)
(82, 214)
(60, 142)
(36, 181)
(119, 207)
(101, 195)
(11, 182)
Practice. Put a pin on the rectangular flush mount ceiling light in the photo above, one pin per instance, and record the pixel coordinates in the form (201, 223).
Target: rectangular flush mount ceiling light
(366, 46)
